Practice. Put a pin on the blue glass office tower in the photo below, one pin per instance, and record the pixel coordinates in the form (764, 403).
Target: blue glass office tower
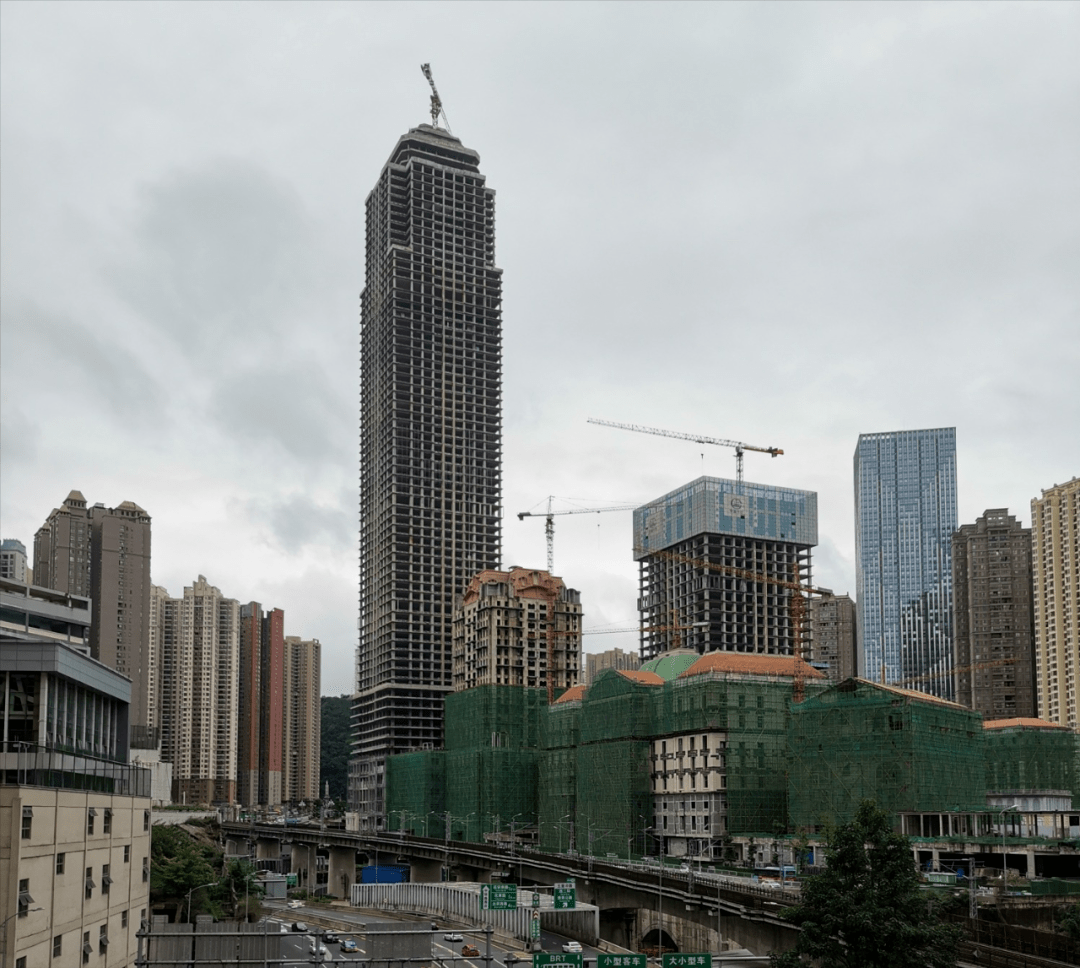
(905, 515)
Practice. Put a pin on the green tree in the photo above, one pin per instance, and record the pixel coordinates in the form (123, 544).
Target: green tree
(1068, 923)
(238, 892)
(334, 745)
(865, 910)
(177, 864)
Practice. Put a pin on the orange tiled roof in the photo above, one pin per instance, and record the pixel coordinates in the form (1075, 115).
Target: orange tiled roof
(762, 665)
(638, 675)
(572, 694)
(914, 694)
(1022, 721)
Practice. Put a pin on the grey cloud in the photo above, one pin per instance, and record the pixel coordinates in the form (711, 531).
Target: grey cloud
(297, 521)
(292, 406)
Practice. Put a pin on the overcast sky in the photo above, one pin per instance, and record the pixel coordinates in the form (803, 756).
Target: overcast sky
(787, 224)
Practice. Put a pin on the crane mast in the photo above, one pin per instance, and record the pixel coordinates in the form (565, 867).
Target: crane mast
(549, 523)
(436, 101)
(740, 446)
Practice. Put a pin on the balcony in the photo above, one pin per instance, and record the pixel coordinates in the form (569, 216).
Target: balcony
(25, 764)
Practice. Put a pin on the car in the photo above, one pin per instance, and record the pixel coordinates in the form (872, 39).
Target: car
(452, 936)
(470, 951)
(316, 948)
(330, 937)
(299, 926)
(294, 903)
(349, 946)
(571, 947)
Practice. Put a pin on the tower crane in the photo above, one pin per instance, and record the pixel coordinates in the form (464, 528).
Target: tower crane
(739, 445)
(549, 523)
(797, 605)
(436, 101)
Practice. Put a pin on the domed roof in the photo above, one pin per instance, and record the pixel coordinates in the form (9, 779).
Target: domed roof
(668, 665)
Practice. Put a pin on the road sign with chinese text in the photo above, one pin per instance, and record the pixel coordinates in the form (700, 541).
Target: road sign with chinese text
(498, 897)
(561, 960)
(534, 927)
(620, 961)
(681, 960)
(565, 897)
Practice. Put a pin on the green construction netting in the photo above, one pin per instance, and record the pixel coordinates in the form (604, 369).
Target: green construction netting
(857, 741)
(614, 796)
(560, 726)
(416, 792)
(487, 790)
(506, 717)
(557, 797)
(1023, 758)
(618, 707)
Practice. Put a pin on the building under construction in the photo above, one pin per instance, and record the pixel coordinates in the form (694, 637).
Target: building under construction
(716, 561)
(430, 441)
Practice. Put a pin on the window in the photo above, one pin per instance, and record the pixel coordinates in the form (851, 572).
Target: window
(106, 878)
(145, 869)
(58, 946)
(27, 822)
(87, 951)
(90, 814)
(20, 962)
(123, 919)
(103, 939)
(106, 825)
(90, 883)
(142, 919)
(145, 820)
(25, 900)
(127, 853)
(60, 863)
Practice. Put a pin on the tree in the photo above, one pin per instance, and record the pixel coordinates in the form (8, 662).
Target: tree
(865, 910)
(1068, 923)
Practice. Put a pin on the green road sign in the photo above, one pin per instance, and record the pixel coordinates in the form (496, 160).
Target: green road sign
(536, 899)
(534, 926)
(563, 960)
(498, 897)
(680, 960)
(565, 897)
(620, 961)
(290, 880)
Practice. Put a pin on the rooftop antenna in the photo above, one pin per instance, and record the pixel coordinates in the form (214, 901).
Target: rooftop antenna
(436, 101)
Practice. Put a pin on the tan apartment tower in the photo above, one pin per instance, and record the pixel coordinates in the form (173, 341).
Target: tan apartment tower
(618, 659)
(500, 631)
(993, 622)
(833, 643)
(200, 671)
(1055, 547)
(302, 720)
(104, 554)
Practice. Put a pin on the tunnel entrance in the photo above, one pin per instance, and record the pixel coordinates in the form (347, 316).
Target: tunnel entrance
(656, 942)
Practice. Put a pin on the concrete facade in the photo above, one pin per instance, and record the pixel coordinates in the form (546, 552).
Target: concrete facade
(430, 441)
(302, 721)
(13, 560)
(597, 662)
(834, 643)
(1055, 535)
(262, 699)
(993, 620)
(520, 627)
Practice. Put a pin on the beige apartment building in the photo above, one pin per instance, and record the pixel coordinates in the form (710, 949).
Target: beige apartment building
(1055, 547)
(302, 719)
(200, 669)
(617, 659)
(501, 631)
(833, 642)
(74, 814)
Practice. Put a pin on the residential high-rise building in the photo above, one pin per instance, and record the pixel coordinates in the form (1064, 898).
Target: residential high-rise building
(430, 441)
(1055, 544)
(832, 619)
(13, 560)
(302, 720)
(501, 631)
(262, 697)
(905, 515)
(200, 672)
(617, 659)
(695, 547)
(104, 554)
(993, 622)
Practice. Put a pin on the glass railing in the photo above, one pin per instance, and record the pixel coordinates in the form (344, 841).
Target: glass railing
(26, 764)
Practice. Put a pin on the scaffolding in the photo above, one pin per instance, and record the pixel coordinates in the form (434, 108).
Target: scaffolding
(416, 792)
(909, 752)
(494, 717)
(1026, 758)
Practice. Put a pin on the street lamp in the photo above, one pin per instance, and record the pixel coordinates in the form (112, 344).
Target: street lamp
(192, 891)
(4, 927)
(1004, 859)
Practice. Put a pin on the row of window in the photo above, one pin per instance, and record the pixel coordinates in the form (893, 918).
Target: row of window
(87, 947)
(27, 829)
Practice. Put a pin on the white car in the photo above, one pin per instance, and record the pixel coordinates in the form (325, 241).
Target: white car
(294, 903)
(452, 936)
(571, 947)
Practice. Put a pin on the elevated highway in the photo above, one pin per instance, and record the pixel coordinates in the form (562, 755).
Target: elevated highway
(639, 906)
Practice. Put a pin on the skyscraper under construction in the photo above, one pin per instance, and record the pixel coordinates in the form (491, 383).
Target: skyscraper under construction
(430, 441)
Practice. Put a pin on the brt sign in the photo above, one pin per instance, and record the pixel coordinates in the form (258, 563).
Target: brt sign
(498, 897)
(562, 960)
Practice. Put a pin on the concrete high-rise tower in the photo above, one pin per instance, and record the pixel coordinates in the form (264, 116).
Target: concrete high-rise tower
(430, 441)
(905, 515)
(1055, 546)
